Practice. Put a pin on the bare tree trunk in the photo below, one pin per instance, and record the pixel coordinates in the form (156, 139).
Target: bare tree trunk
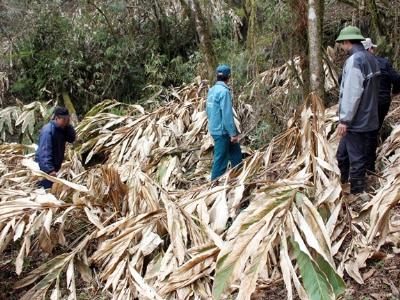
(315, 54)
(188, 12)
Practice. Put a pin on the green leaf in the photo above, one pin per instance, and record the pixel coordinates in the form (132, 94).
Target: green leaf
(221, 277)
(315, 282)
(334, 279)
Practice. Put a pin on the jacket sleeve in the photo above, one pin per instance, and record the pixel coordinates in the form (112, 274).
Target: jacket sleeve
(353, 87)
(70, 134)
(227, 113)
(394, 78)
(45, 153)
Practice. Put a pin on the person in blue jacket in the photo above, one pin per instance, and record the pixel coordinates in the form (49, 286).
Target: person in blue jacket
(221, 124)
(51, 146)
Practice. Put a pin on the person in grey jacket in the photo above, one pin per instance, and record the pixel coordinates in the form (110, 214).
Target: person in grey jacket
(358, 108)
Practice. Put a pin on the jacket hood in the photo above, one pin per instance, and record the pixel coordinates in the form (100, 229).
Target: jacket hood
(357, 48)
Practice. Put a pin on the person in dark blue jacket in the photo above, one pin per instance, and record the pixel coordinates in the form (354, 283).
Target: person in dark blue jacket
(51, 146)
(221, 124)
(389, 84)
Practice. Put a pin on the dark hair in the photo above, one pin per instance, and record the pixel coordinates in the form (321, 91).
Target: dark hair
(222, 77)
(60, 112)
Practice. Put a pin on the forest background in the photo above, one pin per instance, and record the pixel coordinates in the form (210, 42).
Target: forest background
(88, 51)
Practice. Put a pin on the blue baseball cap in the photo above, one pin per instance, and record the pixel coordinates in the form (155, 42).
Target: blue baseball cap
(224, 70)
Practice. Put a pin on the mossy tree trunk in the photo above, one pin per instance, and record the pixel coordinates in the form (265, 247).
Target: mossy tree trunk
(70, 106)
(298, 40)
(204, 35)
(376, 22)
(251, 7)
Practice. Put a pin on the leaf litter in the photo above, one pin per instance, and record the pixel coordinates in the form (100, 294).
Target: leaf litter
(154, 227)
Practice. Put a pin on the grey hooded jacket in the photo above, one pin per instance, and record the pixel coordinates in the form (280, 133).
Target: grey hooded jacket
(359, 91)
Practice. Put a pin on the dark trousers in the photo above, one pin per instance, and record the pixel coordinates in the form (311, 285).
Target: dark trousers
(47, 184)
(383, 109)
(224, 151)
(352, 157)
(373, 139)
(371, 150)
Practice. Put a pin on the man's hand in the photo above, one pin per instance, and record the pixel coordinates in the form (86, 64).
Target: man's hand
(53, 173)
(235, 139)
(342, 129)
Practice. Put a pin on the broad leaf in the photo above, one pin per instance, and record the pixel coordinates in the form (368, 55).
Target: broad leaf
(315, 282)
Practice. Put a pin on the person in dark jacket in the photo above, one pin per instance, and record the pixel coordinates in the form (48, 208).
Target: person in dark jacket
(51, 146)
(358, 108)
(389, 84)
(221, 124)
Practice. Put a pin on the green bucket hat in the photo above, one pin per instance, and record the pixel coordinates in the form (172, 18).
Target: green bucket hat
(350, 33)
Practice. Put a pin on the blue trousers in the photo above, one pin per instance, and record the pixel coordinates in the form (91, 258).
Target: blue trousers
(224, 151)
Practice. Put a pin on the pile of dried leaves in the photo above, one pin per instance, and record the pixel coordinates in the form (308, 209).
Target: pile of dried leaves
(145, 222)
